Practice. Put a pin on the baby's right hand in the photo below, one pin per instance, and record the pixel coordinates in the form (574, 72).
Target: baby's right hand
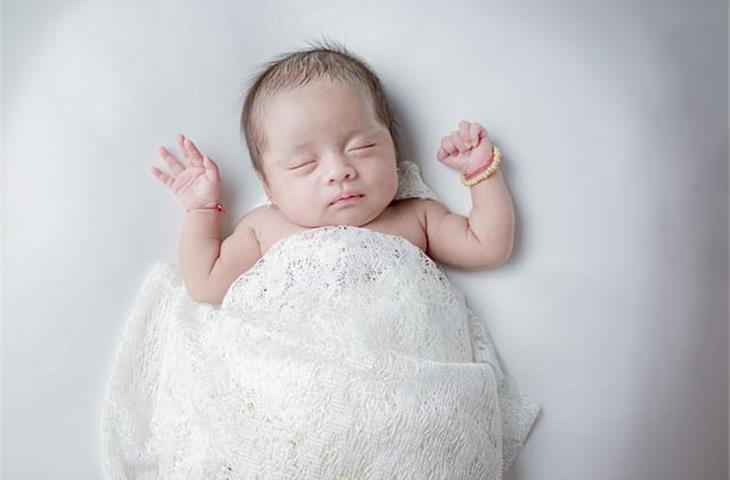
(198, 184)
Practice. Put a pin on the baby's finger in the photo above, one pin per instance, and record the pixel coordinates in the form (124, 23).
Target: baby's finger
(465, 135)
(171, 161)
(456, 139)
(183, 149)
(162, 176)
(211, 169)
(449, 146)
(192, 154)
(195, 156)
(476, 132)
(449, 160)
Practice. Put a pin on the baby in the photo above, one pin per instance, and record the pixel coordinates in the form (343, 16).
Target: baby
(323, 141)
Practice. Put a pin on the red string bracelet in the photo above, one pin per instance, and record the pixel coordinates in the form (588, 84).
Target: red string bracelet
(217, 206)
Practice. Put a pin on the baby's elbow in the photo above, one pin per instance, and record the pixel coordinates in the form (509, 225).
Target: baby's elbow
(493, 258)
(475, 263)
(505, 256)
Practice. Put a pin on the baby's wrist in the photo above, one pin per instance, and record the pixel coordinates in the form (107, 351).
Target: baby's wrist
(483, 171)
(476, 168)
(211, 206)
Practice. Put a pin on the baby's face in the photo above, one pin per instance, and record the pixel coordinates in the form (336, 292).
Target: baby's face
(324, 140)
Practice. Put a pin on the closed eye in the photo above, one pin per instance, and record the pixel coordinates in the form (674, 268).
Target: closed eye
(364, 147)
(302, 165)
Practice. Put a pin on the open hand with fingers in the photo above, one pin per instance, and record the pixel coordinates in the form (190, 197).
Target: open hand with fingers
(466, 148)
(197, 183)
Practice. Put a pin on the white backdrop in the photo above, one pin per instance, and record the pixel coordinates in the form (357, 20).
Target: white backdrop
(612, 120)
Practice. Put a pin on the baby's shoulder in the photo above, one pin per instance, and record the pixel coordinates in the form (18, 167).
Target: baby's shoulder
(254, 221)
(418, 211)
(415, 208)
(406, 217)
(253, 217)
(402, 209)
(269, 225)
(407, 204)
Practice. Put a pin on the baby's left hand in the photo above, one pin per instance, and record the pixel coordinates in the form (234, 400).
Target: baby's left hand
(465, 148)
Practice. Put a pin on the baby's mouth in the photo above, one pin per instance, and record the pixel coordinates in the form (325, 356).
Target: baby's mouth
(350, 198)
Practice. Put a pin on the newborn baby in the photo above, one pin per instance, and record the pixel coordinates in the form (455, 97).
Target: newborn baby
(323, 142)
(283, 351)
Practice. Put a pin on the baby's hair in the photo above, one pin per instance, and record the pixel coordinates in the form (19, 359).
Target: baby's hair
(292, 69)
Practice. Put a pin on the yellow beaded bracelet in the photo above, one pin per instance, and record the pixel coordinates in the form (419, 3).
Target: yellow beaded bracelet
(497, 156)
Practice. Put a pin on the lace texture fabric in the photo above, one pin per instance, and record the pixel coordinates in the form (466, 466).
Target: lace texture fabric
(343, 353)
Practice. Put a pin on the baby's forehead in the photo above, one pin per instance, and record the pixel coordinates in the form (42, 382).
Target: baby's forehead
(352, 110)
(309, 89)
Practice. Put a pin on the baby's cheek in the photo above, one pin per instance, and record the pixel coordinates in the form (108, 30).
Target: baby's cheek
(394, 186)
(392, 181)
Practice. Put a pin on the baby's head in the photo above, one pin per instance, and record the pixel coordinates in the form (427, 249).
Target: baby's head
(317, 124)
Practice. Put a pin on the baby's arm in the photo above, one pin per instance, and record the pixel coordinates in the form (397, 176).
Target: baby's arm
(484, 239)
(208, 265)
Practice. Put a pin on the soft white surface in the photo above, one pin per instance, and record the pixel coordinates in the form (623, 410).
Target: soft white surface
(612, 120)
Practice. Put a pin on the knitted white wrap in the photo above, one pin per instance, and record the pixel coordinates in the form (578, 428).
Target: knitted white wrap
(343, 353)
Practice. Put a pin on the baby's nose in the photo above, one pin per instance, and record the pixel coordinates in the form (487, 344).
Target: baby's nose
(342, 171)
(341, 177)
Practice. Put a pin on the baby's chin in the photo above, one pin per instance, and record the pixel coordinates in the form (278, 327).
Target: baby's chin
(347, 216)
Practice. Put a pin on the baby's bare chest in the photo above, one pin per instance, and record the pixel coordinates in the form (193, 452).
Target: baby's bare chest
(403, 218)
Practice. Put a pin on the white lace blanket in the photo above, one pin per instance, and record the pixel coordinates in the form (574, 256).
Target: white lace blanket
(343, 353)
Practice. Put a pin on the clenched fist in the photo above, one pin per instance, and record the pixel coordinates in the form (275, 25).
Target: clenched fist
(465, 148)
